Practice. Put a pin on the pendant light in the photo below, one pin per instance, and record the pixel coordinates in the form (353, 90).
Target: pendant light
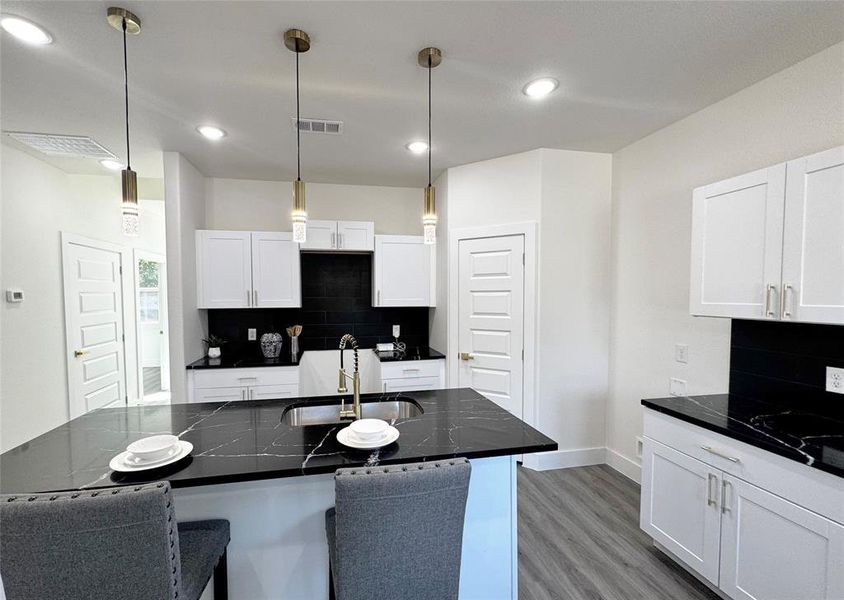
(297, 41)
(126, 22)
(429, 58)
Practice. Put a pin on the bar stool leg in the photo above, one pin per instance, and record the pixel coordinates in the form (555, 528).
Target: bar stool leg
(221, 578)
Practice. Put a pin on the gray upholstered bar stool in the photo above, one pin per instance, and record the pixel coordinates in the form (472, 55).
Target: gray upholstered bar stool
(116, 543)
(396, 533)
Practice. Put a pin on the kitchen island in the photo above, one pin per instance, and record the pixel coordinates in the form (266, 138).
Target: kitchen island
(272, 480)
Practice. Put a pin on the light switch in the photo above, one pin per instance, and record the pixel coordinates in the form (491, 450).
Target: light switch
(14, 295)
(681, 353)
(252, 334)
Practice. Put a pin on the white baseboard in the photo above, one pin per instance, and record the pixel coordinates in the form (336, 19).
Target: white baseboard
(624, 465)
(564, 459)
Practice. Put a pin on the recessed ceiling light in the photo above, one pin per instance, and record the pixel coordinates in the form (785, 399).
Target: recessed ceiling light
(417, 147)
(541, 87)
(112, 165)
(211, 132)
(26, 31)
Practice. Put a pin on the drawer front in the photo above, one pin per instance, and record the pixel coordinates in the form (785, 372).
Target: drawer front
(214, 378)
(411, 368)
(410, 384)
(222, 394)
(801, 484)
(272, 392)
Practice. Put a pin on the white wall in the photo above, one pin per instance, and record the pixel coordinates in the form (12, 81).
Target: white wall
(38, 202)
(184, 189)
(795, 112)
(265, 205)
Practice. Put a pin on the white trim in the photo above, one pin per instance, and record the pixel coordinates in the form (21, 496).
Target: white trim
(139, 254)
(126, 283)
(530, 231)
(565, 459)
(626, 466)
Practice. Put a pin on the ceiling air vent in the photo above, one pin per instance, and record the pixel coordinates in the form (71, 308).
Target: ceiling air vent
(318, 126)
(79, 146)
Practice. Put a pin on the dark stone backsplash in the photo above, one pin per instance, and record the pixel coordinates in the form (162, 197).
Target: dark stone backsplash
(336, 299)
(782, 362)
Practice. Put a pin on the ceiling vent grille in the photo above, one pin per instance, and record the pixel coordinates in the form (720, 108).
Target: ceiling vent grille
(318, 126)
(79, 146)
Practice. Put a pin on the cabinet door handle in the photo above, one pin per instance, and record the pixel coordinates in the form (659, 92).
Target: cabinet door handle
(255, 297)
(242, 394)
(410, 370)
(384, 385)
(333, 240)
(785, 301)
(378, 302)
(769, 312)
(724, 507)
(710, 501)
(342, 240)
(711, 450)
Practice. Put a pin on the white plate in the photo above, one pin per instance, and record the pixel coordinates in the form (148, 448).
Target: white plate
(134, 461)
(123, 463)
(346, 437)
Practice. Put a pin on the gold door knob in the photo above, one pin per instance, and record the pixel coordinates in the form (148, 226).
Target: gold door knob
(466, 356)
(78, 353)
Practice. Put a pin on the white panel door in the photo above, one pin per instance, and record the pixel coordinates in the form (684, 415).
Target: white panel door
(402, 273)
(737, 228)
(772, 549)
(813, 250)
(491, 318)
(322, 235)
(224, 269)
(275, 270)
(356, 235)
(680, 506)
(94, 325)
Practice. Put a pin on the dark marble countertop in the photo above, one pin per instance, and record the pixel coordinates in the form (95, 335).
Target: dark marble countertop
(416, 353)
(793, 431)
(243, 441)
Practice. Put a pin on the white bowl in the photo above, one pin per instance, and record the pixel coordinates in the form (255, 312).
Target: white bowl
(154, 447)
(368, 430)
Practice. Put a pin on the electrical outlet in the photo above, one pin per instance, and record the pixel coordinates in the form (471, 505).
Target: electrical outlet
(396, 331)
(681, 353)
(677, 387)
(251, 334)
(835, 380)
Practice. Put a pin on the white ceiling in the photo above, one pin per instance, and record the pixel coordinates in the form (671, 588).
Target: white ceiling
(626, 69)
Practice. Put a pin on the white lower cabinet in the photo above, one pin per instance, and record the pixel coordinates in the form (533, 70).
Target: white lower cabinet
(257, 383)
(413, 375)
(712, 512)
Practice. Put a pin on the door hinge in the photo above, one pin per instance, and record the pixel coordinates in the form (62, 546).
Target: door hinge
(120, 269)
(523, 258)
(523, 355)
(123, 336)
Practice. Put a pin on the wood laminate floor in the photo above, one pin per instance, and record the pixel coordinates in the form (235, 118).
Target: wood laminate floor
(579, 539)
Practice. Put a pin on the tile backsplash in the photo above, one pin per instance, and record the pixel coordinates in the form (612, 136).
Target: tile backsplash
(785, 361)
(336, 299)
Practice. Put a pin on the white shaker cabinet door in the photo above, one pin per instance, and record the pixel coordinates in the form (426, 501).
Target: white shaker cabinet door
(356, 235)
(321, 235)
(402, 271)
(772, 549)
(813, 249)
(275, 270)
(224, 269)
(737, 229)
(680, 506)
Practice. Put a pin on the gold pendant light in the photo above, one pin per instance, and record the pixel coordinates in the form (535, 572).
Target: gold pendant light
(297, 41)
(429, 58)
(127, 23)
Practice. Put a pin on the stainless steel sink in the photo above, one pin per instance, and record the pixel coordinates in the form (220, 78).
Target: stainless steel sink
(302, 415)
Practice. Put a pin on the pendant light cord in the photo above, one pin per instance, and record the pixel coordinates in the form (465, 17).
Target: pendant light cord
(429, 119)
(126, 95)
(298, 128)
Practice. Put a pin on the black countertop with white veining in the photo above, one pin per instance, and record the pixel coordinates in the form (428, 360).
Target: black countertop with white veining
(234, 361)
(243, 441)
(794, 430)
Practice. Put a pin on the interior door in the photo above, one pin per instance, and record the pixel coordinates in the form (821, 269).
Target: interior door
(224, 277)
(491, 318)
(680, 506)
(737, 228)
(356, 235)
(93, 292)
(275, 270)
(813, 250)
(322, 235)
(402, 273)
(772, 549)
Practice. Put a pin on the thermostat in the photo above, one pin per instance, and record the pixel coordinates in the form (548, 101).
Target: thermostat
(14, 295)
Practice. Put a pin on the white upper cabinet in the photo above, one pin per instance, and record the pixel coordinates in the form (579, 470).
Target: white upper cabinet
(224, 269)
(813, 250)
(737, 245)
(275, 270)
(322, 235)
(770, 244)
(243, 269)
(403, 272)
(340, 235)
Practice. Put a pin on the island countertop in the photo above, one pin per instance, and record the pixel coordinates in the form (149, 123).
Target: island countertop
(246, 440)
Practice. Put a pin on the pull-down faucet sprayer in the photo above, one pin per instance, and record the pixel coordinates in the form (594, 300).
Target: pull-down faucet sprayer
(354, 412)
